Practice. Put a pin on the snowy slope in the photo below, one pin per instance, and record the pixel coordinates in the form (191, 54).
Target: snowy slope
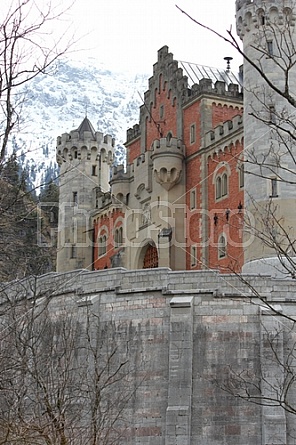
(57, 103)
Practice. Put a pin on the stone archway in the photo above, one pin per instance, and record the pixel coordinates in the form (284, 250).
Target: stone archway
(150, 259)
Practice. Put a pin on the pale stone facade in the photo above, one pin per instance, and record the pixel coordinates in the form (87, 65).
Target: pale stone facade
(267, 30)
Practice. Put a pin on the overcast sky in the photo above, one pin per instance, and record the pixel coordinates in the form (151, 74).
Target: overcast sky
(126, 34)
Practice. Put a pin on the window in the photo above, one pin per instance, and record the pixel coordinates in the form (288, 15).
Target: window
(73, 251)
(118, 237)
(102, 245)
(161, 112)
(224, 189)
(75, 154)
(192, 134)
(274, 188)
(270, 47)
(218, 187)
(193, 256)
(241, 175)
(75, 197)
(272, 114)
(262, 19)
(94, 170)
(221, 186)
(192, 199)
(222, 247)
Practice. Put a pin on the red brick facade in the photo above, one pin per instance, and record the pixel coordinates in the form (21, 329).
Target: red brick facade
(206, 119)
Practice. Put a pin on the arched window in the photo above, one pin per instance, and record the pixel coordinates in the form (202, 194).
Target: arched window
(218, 187)
(102, 245)
(224, 184)
(222, 245)
(118, 237)
(193, 255)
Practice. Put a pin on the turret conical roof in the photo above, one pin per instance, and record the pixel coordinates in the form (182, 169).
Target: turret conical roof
(86, 125)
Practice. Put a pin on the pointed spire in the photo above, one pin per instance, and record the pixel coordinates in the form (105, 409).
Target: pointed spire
(86, 125)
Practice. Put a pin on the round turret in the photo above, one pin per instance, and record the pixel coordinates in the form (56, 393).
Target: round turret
(267, 29)
(167, 157)
(84, 157)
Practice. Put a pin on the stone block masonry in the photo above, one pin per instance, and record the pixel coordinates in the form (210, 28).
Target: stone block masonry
(187, 335)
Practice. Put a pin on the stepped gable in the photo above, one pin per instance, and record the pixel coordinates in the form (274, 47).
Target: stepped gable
(186, 81)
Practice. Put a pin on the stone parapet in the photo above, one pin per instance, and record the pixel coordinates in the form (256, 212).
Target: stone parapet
(227, 129)
(251, 14)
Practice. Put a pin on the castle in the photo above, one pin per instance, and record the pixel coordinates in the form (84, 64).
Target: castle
(179, 202)
(186, 195)
(152, 251)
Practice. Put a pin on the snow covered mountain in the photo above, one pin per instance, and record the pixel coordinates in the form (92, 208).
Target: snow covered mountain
(57, 103)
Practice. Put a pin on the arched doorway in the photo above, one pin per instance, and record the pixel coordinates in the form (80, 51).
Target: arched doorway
(151, 257)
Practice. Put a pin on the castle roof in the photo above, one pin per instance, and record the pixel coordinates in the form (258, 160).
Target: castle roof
(86, 125)
(196, 72)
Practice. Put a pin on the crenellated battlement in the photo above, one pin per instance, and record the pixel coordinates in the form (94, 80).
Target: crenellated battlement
(133, 133)
(220, 88)
(227, 129)
(119, 174)
(85, 145)
(251, 14)
(167, 146)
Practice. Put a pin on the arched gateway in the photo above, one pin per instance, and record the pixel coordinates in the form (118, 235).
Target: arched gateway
(150, 256)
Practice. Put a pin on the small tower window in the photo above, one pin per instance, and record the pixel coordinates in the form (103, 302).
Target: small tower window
(192, 134)
(75, 197)
(75, 154)
(241, 175)
(274, 188)
(272, 114)
(73, 251)
(161, 112)
(94, 170)
(270, 47)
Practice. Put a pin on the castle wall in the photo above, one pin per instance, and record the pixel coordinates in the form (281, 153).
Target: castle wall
(267, 30)
(188, 334)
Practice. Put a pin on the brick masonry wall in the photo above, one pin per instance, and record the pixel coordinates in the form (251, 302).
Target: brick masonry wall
(133, 151)
(225, 161)
(158, 125)
(106, 225)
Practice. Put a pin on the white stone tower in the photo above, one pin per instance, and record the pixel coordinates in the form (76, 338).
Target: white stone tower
(85, 157)
(267, 30)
